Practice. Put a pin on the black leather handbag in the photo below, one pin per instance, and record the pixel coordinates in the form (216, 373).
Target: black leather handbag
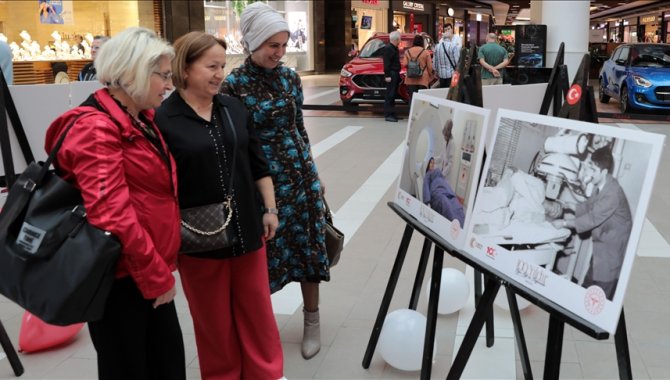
(207, 228)
(53, 262)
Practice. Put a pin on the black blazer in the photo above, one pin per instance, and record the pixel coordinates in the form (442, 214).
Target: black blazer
(198, 173)
(391, 59)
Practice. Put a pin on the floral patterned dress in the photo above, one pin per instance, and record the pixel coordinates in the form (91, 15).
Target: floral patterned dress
(274, 99)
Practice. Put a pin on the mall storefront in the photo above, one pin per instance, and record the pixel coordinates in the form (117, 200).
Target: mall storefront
(46, 41)
(367, 18)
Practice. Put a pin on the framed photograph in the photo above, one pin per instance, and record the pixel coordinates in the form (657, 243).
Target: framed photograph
(441, 166)
(560, 209)
(366, 22)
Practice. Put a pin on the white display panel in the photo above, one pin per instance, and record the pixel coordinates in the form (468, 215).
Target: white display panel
(548, 216)
(441, 197)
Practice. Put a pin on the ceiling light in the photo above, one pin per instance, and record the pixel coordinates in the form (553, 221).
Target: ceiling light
(450, 12)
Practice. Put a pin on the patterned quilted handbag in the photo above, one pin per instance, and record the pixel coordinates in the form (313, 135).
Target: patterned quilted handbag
(207, 228)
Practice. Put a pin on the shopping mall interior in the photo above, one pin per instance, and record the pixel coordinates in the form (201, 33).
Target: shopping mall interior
(362, 158)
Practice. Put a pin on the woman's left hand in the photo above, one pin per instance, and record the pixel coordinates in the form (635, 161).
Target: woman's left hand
(270, 224)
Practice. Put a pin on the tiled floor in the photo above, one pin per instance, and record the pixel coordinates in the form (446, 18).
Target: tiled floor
(358, 158)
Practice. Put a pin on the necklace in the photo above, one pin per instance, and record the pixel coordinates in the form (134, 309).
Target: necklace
(195, 107)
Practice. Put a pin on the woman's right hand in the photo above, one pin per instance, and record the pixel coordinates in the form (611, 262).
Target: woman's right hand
(166, 297)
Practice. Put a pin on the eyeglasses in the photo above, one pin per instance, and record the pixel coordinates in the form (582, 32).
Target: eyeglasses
(166, 77)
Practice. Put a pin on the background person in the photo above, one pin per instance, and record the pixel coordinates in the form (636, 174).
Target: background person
(116, 156)
(88, 71)
(446, 158)
(273, 96)
(227, 289)
(446, 55)
(391, 75)
(493, 58)
(418, 53)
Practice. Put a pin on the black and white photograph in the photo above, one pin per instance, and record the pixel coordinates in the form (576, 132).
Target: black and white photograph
(441, 165)
(561, 207)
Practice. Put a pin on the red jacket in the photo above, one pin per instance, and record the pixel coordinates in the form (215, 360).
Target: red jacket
(127, 186)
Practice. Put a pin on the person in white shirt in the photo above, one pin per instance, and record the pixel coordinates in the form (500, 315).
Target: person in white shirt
(446, 55)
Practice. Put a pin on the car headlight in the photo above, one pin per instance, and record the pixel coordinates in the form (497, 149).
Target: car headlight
(345, 73)
(640, 81)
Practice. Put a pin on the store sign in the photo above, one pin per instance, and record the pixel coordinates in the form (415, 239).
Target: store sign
(412, 6)
(647, 19)
(372, 2)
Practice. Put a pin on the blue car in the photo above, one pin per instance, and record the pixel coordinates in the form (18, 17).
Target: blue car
(639, 76)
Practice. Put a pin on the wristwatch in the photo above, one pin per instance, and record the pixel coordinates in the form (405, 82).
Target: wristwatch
(271, 210)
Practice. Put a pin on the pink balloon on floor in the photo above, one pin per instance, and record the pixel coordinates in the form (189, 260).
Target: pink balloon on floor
(36, 335)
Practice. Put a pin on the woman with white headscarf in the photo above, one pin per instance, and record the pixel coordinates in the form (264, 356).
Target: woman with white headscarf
(273, 96)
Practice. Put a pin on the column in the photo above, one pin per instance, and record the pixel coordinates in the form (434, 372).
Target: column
(567, 22)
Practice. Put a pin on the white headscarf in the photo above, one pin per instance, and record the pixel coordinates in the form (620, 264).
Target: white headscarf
(259, 22)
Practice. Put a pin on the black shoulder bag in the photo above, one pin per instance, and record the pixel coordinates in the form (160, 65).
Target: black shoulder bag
(207, 228)
(53, 262)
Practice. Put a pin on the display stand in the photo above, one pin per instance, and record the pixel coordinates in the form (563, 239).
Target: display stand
(580, 105)
(465, 90)
(484, 306)
(7, 107)
(557, 87)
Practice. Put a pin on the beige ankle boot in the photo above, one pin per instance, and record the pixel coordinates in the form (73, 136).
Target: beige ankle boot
(311, 338)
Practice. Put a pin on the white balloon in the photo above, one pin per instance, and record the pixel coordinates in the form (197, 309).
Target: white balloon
(501, 300)
(454, 291)
(401, 339)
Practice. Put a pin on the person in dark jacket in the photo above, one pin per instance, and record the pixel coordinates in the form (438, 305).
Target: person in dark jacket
(88, 71)
(227, 289)
(116, 157)
(391, 76)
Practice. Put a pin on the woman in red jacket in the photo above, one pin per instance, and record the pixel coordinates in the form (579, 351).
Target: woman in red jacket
(116, 156)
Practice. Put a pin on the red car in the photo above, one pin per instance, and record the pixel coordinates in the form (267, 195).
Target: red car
(362, 79)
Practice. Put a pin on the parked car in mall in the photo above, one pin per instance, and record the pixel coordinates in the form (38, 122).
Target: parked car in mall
(362, 78)
(638, 75)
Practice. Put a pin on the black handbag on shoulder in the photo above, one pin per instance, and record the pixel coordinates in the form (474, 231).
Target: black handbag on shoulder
(53, 262)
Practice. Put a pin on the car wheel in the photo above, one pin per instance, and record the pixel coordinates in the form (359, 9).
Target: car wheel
(350, 106)
(625, 105)
(601, 93)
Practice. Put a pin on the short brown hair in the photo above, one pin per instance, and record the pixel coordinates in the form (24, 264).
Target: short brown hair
(188, 49)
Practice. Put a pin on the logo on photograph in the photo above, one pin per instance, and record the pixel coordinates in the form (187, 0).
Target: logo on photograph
(594, 299)
(475, 244)
(491, 252)
(532, 273)
(426, 213)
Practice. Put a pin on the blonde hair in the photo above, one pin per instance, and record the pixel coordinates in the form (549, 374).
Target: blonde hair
(128, 60)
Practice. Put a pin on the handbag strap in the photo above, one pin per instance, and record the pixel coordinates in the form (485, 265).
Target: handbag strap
(232, 166)
(447, 54)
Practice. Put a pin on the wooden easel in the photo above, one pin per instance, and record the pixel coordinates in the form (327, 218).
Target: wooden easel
(7, 108)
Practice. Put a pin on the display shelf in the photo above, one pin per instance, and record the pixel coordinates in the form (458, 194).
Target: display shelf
(40, 72)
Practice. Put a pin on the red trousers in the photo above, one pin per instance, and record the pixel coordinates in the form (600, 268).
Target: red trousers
(235, 329)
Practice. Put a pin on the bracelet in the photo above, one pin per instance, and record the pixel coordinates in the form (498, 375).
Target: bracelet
(271, 210)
